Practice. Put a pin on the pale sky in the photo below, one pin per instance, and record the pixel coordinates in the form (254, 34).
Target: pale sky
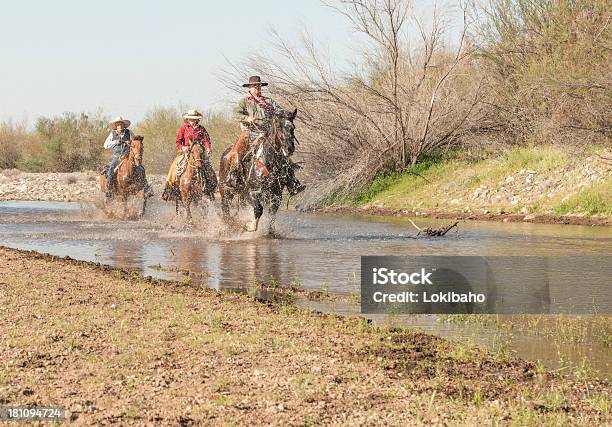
(127, 56)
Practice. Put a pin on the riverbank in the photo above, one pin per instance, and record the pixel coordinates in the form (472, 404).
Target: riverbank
(56, 186)
(111, 346)
(537, 184)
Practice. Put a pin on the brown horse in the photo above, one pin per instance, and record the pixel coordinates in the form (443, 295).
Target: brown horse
(128, 182)
(191, 184)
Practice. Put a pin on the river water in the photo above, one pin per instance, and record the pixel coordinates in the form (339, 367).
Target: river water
(316, 251)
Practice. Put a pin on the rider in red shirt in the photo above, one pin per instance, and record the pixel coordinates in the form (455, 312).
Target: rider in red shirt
(188, 133)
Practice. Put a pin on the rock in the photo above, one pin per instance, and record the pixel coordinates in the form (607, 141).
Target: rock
(486, 212)
(529, 217)
(509, 179)
(455, 202)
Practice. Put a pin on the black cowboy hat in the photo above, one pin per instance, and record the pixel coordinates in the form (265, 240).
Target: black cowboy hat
(254, 81)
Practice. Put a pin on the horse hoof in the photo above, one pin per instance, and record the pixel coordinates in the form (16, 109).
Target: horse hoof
(251, 226)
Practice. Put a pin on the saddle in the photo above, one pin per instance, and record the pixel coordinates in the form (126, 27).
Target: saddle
(139, 171)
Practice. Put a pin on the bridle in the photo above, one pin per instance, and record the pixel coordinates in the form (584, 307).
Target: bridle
(198, 162)
(137, 154)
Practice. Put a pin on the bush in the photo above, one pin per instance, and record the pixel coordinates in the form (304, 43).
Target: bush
(12, 140)
(72, 142)
(548, 65)
(160, 126)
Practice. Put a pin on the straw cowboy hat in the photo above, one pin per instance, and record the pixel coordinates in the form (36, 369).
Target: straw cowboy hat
(113, 123)
(254, 81)
(193, 114)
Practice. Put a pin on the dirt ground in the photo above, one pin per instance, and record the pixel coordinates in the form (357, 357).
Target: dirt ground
(115, 348)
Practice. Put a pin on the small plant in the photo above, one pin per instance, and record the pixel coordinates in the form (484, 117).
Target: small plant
(601, 403)
(71, 179)
(584, 371)
(273, 283)
(295, 284)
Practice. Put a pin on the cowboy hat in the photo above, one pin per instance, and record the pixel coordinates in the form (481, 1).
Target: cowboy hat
(113, 123)
(254, 81)
(193, 114)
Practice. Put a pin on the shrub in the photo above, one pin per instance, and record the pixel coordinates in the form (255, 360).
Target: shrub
(548, 64)
(71, 142)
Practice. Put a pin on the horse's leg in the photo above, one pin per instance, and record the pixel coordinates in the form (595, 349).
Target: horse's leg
(275, 202)
(188, 210)
(102, 183)
(144, 204)
(257, 212)
(124, 205)
(226, 201)
(185, 194)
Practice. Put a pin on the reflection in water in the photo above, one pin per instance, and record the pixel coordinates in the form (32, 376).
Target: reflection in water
(128, 252)
(317, 250)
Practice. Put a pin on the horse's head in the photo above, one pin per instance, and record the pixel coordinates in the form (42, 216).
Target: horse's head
(196, 153)
(288, 133)
(137, 149)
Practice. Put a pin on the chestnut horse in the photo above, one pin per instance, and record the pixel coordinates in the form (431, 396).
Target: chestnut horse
(128, 182)
(192, 182)
(265, 176)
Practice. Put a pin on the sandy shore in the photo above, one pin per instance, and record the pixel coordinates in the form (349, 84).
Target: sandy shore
(112, 347)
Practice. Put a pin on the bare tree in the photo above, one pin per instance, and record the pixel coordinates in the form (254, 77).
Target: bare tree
(403, 99)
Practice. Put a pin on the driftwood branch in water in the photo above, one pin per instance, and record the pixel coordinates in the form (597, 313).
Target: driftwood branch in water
(434, 231)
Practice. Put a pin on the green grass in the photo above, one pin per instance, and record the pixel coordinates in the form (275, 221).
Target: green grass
(595, 200)
(435, 181)
(541, 159)
(387, 180)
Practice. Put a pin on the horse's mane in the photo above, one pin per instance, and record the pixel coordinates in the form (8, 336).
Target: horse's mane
(276, 131)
